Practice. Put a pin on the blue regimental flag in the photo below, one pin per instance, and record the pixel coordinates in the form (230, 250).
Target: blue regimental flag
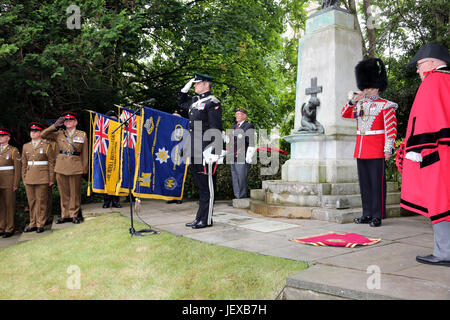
(100, 149)
(130, 133)
(161, 167)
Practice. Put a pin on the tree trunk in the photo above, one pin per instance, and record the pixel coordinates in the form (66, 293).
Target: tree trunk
(351, 6)
(370, 28)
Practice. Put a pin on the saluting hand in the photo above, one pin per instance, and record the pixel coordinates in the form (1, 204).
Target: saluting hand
(59, 122)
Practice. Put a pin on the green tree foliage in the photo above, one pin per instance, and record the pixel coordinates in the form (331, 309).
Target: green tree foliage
(128, 51)
(402, 27)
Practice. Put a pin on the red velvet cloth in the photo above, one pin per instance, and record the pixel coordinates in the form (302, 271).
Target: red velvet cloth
(333, 239)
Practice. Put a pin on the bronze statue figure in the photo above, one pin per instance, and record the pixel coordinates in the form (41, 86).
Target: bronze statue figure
(309, 122)
(330, 3)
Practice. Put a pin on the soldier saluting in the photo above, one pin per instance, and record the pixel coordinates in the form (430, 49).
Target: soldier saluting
(9, 182)
(38, 163)
(72, 161)
(205, 113)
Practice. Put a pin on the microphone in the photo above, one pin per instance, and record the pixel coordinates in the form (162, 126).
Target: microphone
(149, 101)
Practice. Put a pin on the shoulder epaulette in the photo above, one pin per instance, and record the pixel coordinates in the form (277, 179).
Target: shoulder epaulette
(442, 71)
(214, 99)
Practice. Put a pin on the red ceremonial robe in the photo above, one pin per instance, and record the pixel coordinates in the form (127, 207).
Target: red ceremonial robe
(426, 184)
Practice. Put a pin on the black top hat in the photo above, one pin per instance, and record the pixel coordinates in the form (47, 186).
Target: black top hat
(198, 77)
(36, 126)
(69, 115)
(371, 73)
(5, 132)
(431, 50)
(241, 110)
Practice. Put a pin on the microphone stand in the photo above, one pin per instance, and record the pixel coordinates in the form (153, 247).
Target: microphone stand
(133, 232)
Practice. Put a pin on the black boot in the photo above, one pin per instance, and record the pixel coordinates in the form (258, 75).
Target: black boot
(363, 219)
(191, 224)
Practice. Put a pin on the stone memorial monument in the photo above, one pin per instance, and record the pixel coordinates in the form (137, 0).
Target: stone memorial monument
(320, 179)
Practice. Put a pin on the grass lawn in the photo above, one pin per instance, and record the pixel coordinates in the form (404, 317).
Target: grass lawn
(114, 265)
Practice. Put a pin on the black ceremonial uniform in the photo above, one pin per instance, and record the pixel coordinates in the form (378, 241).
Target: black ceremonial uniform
(205, 112)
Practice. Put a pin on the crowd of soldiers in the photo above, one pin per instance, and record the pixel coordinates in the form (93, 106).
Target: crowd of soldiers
(56, 154)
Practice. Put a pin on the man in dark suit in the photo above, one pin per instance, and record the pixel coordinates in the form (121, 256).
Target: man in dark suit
(242, 145)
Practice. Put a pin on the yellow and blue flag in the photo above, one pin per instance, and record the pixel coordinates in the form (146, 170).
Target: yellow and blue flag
(161, 167)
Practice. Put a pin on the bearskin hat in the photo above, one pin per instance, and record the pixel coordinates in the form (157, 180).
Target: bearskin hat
(371, 73)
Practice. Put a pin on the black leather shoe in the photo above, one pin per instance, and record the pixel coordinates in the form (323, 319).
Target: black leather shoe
(191, 224)
(1, 234)
(62, 220)
(40, 230)
(375, 222)
(430, 259)
(30, 229)
(201, 225)
(7, 234)
(363, 219)
(75, 220)
(116, 205)
(105, 206)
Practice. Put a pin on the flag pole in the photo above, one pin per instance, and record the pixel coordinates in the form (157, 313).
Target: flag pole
(133, 232)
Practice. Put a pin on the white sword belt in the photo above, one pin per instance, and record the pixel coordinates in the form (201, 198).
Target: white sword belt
(369, 132)
(4, 168)
(37, 163)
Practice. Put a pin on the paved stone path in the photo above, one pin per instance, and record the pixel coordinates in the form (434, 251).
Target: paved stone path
(386, 270)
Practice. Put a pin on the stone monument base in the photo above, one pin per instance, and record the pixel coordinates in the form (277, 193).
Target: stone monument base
(336, 202)
(318, 158)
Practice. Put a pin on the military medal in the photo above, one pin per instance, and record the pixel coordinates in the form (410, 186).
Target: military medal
(78, 139)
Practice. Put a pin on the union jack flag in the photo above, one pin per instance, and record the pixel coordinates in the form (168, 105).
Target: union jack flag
(130, 134)
(101, 135)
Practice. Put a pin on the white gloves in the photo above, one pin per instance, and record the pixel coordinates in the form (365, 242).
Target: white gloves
(225, 137)
(208, 157)
(222, 156)
(414, 156)
(188, 86)
(249, 155)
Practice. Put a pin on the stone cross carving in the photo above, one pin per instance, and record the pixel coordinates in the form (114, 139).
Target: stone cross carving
(309, 123)
(314, 90)
(330, 3)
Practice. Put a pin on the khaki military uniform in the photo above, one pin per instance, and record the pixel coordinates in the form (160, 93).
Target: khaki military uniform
(72, 161)
(10, 168)
(50, 188)
(38, 162)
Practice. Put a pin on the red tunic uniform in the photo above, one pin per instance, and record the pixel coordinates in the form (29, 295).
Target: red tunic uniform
(376, 126)
(426, 184)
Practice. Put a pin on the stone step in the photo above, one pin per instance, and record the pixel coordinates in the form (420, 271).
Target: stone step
(325, 214)
(325, 282)
(348, 215)
(308, 189)
(257, 194)
(329, 201)
(243, 203)
(295, 212)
